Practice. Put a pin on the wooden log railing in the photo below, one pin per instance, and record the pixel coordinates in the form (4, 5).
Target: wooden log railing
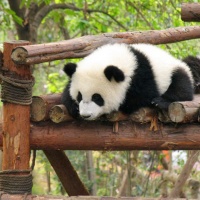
(80, 47)
(190, 12)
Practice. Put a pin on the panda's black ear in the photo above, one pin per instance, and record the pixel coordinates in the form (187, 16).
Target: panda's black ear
(69, 69)
(114, 72)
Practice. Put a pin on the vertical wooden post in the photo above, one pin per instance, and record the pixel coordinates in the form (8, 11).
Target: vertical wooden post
(16, 118)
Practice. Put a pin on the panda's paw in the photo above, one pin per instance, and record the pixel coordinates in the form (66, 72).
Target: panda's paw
(74, 111)
(160, 103)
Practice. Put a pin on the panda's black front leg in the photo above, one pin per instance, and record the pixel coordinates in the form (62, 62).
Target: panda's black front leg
(160, 103)
(70, 104)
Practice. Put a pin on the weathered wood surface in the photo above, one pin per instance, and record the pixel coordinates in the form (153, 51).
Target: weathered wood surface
(185, 112)
(16, 118)
(66, 173)
(44, 107)
(35, 197)
(81, 47)
(190, 12)
(99, 136)
(41, 106)
(1, 59)
(59, 113)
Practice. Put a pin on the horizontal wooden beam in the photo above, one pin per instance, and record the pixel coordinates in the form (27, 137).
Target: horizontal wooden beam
(81, 47)
(96, 135)
(35, 197)
(190, 12)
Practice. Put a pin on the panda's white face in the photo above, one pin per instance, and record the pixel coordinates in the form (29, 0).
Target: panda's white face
(96, 96)
(100, 81)
(92, 109)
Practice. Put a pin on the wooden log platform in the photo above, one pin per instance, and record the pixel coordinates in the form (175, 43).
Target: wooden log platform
(186, 111)
(41, 106)
(35, 197)
(98, 135)
(48, 107)
(81, 47)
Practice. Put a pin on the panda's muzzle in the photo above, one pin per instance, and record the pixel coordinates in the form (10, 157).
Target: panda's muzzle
(89, 110)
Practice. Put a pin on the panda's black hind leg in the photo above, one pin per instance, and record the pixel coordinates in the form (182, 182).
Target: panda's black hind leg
(180, 89)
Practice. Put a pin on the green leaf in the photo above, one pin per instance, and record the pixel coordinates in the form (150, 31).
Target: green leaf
(16, 18)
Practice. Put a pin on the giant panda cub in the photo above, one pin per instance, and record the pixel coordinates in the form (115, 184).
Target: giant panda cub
(121, 77)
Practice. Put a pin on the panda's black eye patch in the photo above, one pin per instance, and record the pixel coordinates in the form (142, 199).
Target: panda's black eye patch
(98, 99)
(79, 97)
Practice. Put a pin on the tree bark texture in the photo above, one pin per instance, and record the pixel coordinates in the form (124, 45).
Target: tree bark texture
(41, 106)
(192, 159)
(186, 111)
(80, 47)
(59, 113)
(35, 197)
(66, 173)
(193, 184)
(91, 172)
(190, 12)
(16, 118)
(1, 60)
(95, 135)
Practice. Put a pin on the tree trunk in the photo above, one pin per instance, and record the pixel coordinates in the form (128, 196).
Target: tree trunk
(194, 155)
(91, 172)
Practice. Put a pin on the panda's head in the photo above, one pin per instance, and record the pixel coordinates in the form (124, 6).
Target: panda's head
(100, 81)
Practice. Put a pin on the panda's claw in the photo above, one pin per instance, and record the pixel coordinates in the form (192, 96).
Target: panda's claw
(154, 104)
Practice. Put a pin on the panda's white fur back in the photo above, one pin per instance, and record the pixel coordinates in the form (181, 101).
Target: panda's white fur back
(163, 65)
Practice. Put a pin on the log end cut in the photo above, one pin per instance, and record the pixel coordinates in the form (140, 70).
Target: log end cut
(59, 113)
(38, 109)
(176, 112)
(19, 55)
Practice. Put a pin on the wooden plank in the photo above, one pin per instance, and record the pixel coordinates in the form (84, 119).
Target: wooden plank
(66, 173)
(81, 47)
(16, 118)
(77, 135)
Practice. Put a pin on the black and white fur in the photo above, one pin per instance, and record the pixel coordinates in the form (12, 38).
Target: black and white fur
(120, 77)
